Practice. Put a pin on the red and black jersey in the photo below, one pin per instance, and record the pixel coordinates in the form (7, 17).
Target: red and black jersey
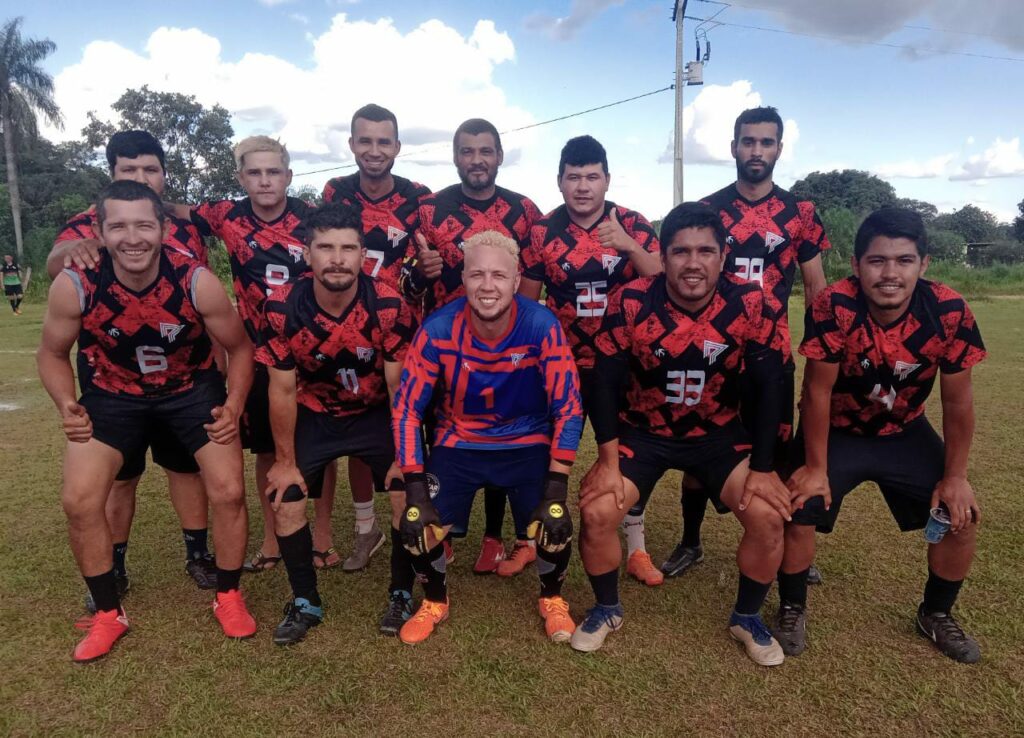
(264, 255)
(685, 368)
(339, 361)
(580, 274)
(147, 344)
(182, 236)
(887, 372)
(388, 222)
(767, 239)
(449, 217)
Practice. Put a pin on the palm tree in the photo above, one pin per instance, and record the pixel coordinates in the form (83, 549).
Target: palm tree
(24, 89)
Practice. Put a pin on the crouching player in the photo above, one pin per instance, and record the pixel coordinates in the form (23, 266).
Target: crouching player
(874, 344)
(680, 341)
(334, 343)
(510, 417)
(144, 320)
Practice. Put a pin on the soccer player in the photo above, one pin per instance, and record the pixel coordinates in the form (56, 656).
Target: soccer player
(771, 233)
(264, 238)
(137, 156)
(387, 206)
(334, 345)
(509, 415)
(12, 283)
(681, 342)
(584, 252)
(874, 344)
(433, 277)
(144, 321)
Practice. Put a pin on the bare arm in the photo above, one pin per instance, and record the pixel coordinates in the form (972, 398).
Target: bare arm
(83, 253)
(957, 431)
(813, 274)
(811, 480)
(61, 328)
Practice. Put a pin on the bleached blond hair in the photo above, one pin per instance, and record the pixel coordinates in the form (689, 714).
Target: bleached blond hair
(492, 238)
(255, 144)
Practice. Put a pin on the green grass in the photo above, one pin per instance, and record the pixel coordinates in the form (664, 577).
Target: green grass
(672, 670)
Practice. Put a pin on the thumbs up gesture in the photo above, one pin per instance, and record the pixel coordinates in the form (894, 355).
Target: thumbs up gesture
(611, 234)
(76, 422)
(428, 261)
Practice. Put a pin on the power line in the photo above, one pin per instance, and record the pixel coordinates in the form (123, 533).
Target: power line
(511, 130)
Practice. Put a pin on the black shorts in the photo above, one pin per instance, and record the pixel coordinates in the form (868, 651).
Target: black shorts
(12, 290)
(130, 424)
(254, 429)
(322, 438)
(748, 405)
(644, 458)
(168, 453)
(906, 467)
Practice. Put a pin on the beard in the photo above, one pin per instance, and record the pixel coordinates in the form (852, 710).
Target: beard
(478, 186)
(743, 173)
(344, 284)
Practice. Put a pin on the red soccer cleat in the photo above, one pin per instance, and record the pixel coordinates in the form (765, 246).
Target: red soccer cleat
(230, 611)
(102, 632)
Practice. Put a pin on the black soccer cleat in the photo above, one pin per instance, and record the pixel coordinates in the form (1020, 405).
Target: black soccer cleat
(791, 629)
(948, 636)
(203, 570)
(681, 559)
(299, 617)
(813, 575)
(400, 608)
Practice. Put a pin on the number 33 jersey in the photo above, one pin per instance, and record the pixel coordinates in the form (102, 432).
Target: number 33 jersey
(145, 344)
(580, 274)
(685, 368)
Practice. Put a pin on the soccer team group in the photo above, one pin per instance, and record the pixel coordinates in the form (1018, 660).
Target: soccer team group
(404, 330)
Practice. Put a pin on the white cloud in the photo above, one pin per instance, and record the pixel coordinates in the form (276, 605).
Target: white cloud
(273, 3)
(1001, 159)
(565, 28)
(936, 166)
(299, 18)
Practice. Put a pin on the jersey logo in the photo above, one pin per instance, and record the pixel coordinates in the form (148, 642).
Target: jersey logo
(320, 357)
(113, 332)
(253, 245)
(364, 354)
(296, 252)
(170, 331)
(516, 358)
(395, 236)
(566, 266)
(660, 352)
(904, 370)
(865, 364)
(466, 366)
(713, 350)
(462, 246)
(771, 240)
(609, 262)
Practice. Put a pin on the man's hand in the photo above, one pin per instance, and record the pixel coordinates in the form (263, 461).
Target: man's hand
(282, 480)
(551, 525)
(611, 234)
(420, 521)
(224, 428)
(428, 261)
(958, 496)
(84, 254)
(769, 488)
(393, 480)
(602, 479)
(807, 482)
(77, 423)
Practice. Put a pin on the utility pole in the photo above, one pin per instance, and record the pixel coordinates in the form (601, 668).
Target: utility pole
(677, 162)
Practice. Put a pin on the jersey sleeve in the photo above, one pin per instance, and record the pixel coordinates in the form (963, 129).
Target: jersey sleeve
(531, 257)
(330, 192)
(562, 382)
(532, 214)
(965, 348)
(419, 375)
(78, 228)
(208, 217)
(640, 230)
(823, 338)
(398, 326)
(813, 239)
(275, 349)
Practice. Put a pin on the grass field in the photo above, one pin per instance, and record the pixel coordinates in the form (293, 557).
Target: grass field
(672, 670)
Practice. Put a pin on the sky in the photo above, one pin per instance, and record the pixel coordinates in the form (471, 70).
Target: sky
(924, 93)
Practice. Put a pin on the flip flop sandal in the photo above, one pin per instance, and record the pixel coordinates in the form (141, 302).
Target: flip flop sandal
(260, 562)
(322, 559)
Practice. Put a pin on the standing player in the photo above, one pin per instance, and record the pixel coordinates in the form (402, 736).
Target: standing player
(584, 252)
(12, 283)
(144, 321)
(387, 205)
(682, 341)
(263, 235)
(334, 344)
(874, 344)
(509, 414)
(771, 233)
(434, 276)
(138, 157)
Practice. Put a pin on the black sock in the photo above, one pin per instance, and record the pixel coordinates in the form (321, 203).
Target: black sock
(494, 511)
(228, 579)
(606, 587)
(694, 503)
(14, 307)
(103, 588)
(403, 576)
(120, 551)
(195, 543)
(431, 567)
(750, 596)
(552, 568)
(297, 553)
(939, 594)
(17, 303)
(793, 588)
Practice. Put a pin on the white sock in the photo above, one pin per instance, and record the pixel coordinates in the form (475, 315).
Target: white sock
(365, 517)
(633, 528)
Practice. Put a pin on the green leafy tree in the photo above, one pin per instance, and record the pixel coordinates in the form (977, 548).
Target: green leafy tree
(841, 228)
(307, 193)
(25, 91)
(1018, 223)
(856, 191)
(196, 140)
(947, 246)
(926, 210)
(971, 222)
